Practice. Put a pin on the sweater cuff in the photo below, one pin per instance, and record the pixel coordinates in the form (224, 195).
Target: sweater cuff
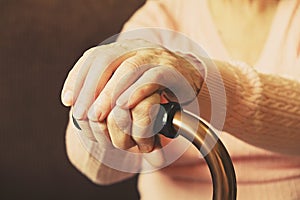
(218, 92)
(200, 68)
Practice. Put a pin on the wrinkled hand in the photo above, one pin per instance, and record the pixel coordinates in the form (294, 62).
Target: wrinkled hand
(118, 86)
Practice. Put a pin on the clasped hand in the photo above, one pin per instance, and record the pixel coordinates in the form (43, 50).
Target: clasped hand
(117, 89)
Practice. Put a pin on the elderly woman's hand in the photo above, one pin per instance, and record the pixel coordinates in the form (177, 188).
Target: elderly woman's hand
(117, 86)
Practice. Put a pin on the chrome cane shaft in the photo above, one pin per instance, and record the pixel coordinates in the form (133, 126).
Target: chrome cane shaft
(171, 118)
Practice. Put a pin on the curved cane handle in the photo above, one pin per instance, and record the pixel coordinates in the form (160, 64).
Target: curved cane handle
(172, 118)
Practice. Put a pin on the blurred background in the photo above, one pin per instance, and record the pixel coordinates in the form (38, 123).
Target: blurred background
(40, 41)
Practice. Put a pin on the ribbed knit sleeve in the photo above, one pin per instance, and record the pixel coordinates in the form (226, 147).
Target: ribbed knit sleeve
(261, 109)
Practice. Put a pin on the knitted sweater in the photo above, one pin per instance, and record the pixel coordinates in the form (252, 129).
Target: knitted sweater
(262, 124)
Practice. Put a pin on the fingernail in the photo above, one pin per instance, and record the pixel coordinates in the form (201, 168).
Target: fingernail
(67, 98)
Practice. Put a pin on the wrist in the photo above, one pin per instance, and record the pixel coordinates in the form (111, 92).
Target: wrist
(200, 70)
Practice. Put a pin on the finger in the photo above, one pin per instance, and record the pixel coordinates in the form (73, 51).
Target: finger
(99, 73)
(154, 79)
(124, 76)
(100, 133)
(119, 127)
(143, 118)
(145, 86)
(157, 157)
(69, 94)
(75, 79)
(86, 129)
(137, 92)
(82, 126)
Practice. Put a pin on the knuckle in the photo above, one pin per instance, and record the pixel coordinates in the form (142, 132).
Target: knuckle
(147, 105)
(143, 129)
(110, 120)
(121, 141)
(119, 130)
(141, 113)
(93, 113)
(144, 112)
(103, 127)
(118, 143)
(118, 119)
(144, 90)
(91, 116)
(148, 89)
(131, 65)
(79, 112)
(112, 129)
(106, 94)
(157, 73)
(143, 121)
(143, 107)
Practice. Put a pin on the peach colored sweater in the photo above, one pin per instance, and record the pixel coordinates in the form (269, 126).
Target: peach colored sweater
(263, 101)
